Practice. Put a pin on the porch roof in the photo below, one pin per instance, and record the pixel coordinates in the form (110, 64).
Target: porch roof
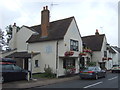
(21, 55)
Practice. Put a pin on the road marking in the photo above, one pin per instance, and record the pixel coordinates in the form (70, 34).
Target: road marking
(92, 85)
(113, 78)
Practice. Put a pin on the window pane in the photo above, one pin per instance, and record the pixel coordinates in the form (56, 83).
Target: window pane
(71, 42)
(36, 63)
(74, 45)
(68, 62)
(105, 53)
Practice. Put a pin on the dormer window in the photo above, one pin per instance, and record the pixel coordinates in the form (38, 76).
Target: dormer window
(74, 45)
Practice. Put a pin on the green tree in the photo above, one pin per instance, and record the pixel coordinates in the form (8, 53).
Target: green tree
(2, 40)
(9, 32)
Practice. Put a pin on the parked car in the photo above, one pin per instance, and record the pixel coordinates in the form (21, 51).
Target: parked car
(115, 69)
(92, 72)
(7, 60)
(11, 72)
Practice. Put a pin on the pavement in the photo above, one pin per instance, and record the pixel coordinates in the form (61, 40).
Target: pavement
(37, 82)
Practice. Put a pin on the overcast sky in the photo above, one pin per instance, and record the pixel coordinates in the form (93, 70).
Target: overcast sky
(89, 14)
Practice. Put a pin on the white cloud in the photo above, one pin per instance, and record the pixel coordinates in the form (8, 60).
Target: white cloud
(11, 4)
(89, 14)
(69, 0)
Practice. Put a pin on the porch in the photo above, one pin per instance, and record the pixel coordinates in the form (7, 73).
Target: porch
(22, 59)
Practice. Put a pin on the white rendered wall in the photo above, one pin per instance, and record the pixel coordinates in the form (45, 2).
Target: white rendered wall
(47, 54)
(20, 38)
(72, 33)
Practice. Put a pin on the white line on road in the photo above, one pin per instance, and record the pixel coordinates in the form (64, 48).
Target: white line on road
(92, 85)
(113, 78)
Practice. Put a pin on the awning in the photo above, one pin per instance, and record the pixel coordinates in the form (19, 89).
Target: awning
(21, 55)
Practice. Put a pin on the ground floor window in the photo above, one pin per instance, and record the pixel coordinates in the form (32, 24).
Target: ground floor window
(67, 62)
(36, 63)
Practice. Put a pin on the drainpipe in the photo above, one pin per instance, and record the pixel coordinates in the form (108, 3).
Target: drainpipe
(31, 63)
(57, 59)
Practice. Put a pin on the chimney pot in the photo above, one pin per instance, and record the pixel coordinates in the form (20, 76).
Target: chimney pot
(96, 33)
(46, 7)
(96, 30)
(43, 8)
(14, 24)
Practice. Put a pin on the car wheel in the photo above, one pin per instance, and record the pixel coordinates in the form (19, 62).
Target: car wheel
(1, 79)
(27, 76)
(96, 77)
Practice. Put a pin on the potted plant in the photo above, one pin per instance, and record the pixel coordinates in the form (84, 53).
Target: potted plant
(104, 58)
(69, 53)
(70, 70)
(109, 58)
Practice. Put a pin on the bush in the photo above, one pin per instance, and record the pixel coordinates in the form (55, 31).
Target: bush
(49, 73)
(92, 64)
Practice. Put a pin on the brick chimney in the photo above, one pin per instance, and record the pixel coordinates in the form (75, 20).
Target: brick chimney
(96, 33)
(44, 21)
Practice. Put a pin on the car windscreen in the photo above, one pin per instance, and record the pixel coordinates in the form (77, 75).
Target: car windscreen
(115, 65)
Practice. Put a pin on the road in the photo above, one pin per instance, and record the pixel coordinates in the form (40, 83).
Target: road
(111, 81)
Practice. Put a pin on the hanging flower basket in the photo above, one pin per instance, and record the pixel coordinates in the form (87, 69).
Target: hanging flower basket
(69, 53)
(82, 54)
(87, 50)
(109, 58)
(104, 58)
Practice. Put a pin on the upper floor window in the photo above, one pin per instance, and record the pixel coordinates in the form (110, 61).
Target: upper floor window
(105, 53)
(74, 45)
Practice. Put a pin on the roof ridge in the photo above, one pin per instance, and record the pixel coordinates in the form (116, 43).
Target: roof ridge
(52, 21)
(62, 19)
(93, 35)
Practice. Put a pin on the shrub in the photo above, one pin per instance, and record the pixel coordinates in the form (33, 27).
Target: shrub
(48, 72)
(92, 64)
